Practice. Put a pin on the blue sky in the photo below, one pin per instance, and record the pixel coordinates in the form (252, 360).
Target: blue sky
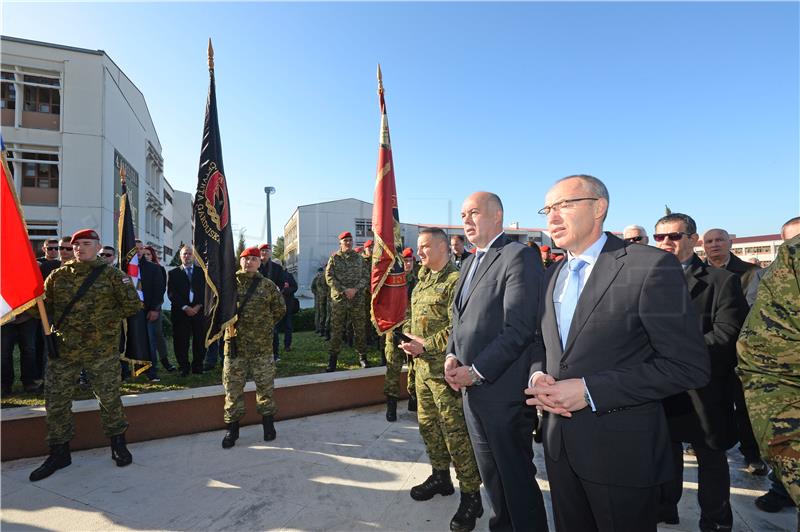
(690, 104)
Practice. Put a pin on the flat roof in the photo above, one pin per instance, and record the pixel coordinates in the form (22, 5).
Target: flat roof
(52, 45)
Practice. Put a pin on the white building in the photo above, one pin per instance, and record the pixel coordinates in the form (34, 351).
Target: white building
(70, 120)
(311, 235)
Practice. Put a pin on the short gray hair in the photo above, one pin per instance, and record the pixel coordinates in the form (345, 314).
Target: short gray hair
(636, 227)
(595, 186)
(723, 231)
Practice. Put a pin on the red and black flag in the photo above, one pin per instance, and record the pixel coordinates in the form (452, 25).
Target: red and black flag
(213, 237)
(388, 281)
(135, 347)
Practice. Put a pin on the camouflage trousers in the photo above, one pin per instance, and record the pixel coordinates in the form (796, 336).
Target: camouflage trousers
(320, 314)
(440, 413)
(351, 310)
(61, 377)
(395, 358)
(235, 371)
(783, 451)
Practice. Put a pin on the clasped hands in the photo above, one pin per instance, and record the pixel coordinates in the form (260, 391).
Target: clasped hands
(192, 310)
(456, 375)
(557, 397)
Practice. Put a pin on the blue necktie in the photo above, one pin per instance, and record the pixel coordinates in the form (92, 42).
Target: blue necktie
(473, 268)
(189, 274)
(570, 299)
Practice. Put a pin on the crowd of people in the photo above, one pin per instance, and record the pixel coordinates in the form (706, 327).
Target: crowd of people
(619, 356)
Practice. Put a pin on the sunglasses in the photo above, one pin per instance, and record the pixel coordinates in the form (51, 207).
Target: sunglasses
(52, 248)
(106, 255)
(673, 237)
(64, 248)
(632, 239)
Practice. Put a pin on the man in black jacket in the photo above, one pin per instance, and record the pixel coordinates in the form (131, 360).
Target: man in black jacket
(285, 324)
(186, 288)
(717, 245)
(704, 417)
(275, 273)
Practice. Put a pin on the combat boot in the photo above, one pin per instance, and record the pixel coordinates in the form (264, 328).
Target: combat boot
(391, 408)
(231, 435)
(331, 363)
(268, 423)
(439, 482)
(469, 510)
(59, 458)
(412, 403)
(119, 451)
(362, 359)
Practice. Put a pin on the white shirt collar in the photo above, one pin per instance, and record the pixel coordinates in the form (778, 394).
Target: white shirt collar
(484, 250)
(591, 254)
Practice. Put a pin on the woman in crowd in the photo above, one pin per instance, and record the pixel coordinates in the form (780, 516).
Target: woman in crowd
(155, 329)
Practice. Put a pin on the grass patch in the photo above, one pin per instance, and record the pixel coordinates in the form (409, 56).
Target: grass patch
(309, 355)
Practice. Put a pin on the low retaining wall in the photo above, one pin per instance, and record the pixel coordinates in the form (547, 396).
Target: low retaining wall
(165, 414)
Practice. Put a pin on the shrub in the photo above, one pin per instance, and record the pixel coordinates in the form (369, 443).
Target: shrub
(303, 320)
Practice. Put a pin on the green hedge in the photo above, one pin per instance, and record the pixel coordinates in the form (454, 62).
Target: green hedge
(303, 320)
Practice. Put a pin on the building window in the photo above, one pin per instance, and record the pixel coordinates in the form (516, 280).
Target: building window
(167, 197)
(39, 171)
(8, 91)
(42, 95)
(167, 253)
(167, 225)
(363, 228)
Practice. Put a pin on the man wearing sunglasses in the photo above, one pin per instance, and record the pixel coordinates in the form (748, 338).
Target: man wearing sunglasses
(50, 261)
(65, 252)
(108, 254)
(620, 335)
(704, 417)
(635, 234)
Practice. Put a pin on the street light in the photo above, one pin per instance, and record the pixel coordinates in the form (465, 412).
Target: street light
(268, 191)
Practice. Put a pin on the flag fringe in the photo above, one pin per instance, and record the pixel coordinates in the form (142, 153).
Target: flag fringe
(13, 313)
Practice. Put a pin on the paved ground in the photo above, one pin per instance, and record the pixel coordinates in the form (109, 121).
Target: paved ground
(344, 471)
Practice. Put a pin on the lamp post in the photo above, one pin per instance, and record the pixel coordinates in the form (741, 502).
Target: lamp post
(268, 191)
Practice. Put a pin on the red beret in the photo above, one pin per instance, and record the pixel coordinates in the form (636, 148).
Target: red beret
(545, 248)
(263, 246)
(85, 234)
(368, 244)
(251, 252)
(345, 234)
(408, 252)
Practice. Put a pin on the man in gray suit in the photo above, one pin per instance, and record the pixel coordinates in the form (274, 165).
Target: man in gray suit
(620, 335)
(489, 351)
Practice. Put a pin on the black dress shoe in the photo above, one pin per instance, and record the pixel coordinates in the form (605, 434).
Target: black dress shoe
(170, 368)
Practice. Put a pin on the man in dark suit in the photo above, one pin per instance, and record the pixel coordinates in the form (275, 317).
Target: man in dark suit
(152, 287)
(459, 254)
(717, 245)
(186, 287)
(704, 417)
(620, 335)
(488, 353)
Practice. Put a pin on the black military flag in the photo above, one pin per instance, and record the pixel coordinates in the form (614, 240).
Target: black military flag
(213, 237)
(134, 346)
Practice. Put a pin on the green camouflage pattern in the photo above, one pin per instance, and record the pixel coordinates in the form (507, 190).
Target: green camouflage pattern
(254, 326)
(234, 376)
(440, 409)
(321, 291)
(60, 379)
(92, 328)
(769, 365)
(346, 269)
(440, 414)
(253, 358)
(395, 358)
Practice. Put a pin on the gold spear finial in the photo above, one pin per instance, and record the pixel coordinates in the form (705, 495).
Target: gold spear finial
(380, 79)
(122, 173)
(210, 55)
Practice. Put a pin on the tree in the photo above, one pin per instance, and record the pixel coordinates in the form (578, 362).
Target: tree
(277, 249)
(241, 245)
(667, 211)
(176, 259)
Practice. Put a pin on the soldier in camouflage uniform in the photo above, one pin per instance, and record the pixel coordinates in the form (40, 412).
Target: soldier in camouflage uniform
(320, 290)
(371, 334)
(87, 339)
(441, 411)
(346, 277)
(769, 364)
(248, 347)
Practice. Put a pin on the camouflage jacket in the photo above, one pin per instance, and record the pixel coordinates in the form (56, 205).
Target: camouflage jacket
(769, 357)
(432, 311)
(92, 328)
(345, 270)
(319, 286)
(254, 326)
